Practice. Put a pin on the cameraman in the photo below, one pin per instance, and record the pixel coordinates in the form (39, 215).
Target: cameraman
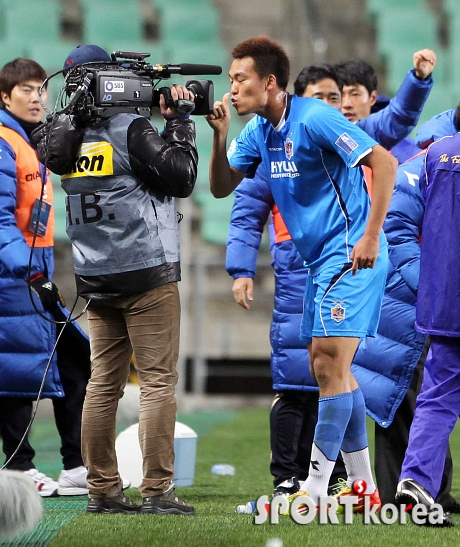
(122, 221)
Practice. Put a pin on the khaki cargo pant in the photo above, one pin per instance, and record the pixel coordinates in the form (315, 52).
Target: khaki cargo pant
(147, 324)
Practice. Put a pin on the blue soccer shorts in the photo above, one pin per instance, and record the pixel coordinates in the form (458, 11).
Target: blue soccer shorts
(337, 303)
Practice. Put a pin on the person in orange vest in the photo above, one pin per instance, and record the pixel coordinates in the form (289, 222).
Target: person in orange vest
(27, 331)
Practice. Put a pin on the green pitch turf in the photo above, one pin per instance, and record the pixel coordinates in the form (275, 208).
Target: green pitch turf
(242, 440)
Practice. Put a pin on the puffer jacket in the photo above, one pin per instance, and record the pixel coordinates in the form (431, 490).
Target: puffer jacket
(26, 339)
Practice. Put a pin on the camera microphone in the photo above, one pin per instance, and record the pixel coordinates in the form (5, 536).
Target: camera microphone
(189, 69)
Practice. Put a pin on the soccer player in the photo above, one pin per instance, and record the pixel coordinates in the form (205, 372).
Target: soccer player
(311, 152)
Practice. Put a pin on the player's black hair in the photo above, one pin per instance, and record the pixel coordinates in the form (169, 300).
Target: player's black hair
(313, 74)
(357, 72)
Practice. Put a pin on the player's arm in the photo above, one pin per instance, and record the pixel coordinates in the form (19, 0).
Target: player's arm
(393, 123)
(223, 178)
(384, 167)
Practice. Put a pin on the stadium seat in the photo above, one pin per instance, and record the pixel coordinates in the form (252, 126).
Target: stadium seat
(439, 100)
(51, 55)
(400, 60)
(205, 53)
(376, 7)
(403, 26)
(197, 24)
(454, 43)
(11, 50)
(106, 22)
(23, 22)
(215, 218)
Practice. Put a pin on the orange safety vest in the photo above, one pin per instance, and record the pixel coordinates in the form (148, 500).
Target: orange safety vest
(29, 187)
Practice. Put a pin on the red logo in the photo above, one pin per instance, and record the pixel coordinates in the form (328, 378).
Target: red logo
(359, 487)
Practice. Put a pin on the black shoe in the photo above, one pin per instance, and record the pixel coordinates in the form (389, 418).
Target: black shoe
(449, 504)
(166, 504)
(411, 493)
(287, 488)
(452, 507)
(118, 503)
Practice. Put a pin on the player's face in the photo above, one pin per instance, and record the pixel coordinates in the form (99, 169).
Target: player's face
(326, 90)
(23, 101)
(357, 102)
(248, 90)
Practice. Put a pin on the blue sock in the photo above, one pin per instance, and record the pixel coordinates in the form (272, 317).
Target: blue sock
(333, 416)
(355, 437)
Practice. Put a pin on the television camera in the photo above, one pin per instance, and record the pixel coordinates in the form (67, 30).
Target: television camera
(99, 90)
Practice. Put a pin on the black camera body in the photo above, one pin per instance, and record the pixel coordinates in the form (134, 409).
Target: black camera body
(101, 90)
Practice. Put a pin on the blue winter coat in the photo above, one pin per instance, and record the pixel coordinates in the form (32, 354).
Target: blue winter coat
(26, 339)
(383, 365)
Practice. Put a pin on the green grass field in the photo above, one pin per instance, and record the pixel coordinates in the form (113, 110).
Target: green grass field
(242, 440)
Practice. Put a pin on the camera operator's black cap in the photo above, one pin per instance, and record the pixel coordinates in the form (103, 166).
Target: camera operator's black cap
(88, 53)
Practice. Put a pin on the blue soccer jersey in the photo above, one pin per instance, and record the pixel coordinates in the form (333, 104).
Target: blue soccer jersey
(311, 159)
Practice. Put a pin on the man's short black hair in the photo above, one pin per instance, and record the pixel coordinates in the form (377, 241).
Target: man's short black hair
(357, 72)
(269, 58)
(17, 72)
(313, 74)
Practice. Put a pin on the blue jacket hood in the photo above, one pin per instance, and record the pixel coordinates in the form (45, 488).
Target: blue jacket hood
(435, 128)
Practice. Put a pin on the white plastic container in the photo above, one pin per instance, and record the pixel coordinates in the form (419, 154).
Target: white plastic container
(130, 458)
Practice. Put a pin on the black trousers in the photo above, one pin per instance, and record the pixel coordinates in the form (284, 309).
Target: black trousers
(391, 444)
(16, 412)
(293, 420)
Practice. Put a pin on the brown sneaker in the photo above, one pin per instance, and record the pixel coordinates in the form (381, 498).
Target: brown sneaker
(166, 504)
(118, 503)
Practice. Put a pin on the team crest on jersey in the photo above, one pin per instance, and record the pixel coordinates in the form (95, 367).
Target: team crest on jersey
(346, 143)
(338, 311)
(289, 148)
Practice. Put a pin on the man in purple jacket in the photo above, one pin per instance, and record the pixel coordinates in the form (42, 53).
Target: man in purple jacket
(438, 404)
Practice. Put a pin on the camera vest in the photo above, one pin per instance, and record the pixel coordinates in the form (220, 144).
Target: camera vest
(115, 222)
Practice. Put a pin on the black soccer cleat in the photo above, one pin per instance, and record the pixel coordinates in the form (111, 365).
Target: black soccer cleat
(410, 493)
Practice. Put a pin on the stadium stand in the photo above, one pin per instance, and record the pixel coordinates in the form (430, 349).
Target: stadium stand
(107, 21)
(405, 27)
(20, 21)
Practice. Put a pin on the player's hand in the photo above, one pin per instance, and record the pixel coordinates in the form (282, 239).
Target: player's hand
(424, 63)
(242, 289)
(177, 92)
(364, 254)
(220, 117)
